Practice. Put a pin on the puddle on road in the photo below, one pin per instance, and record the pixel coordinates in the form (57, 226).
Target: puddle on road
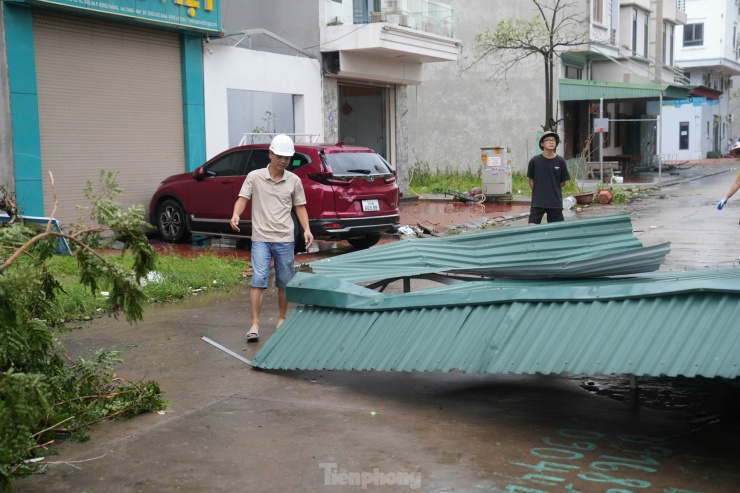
(447, 213)
(440, 213)
(701, 396)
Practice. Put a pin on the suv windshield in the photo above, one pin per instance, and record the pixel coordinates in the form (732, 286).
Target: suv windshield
(357, 163)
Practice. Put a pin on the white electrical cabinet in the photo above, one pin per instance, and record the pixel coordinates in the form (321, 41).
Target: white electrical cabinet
(496, 171)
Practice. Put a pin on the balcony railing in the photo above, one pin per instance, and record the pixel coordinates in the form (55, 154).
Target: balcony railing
(423, 15)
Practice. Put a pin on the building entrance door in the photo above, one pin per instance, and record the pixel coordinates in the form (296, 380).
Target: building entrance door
(683, 136)
(364, 117)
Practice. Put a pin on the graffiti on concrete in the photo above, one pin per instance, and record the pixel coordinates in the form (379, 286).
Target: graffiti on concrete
(622, 465)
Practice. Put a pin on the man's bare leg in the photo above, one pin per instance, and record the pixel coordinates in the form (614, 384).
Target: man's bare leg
(282, 306)
(255, 306)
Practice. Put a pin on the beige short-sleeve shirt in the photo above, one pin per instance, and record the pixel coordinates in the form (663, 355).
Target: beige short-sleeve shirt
(272, 203)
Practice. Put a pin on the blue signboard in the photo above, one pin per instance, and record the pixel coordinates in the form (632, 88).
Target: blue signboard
(190, 15)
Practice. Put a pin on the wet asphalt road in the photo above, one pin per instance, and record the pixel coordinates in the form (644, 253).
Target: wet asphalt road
(232, 428)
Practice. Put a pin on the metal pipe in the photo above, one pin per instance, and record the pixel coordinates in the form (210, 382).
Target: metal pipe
(601, 143)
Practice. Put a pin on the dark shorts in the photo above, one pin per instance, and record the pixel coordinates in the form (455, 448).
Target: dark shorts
(554, 215)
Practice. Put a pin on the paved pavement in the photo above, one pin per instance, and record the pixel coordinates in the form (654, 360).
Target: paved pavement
(232, 428)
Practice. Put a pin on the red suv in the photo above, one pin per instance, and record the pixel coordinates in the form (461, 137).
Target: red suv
(351, 194)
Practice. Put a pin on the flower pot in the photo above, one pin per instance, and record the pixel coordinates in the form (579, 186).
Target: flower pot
(605, 196)
(584, 198)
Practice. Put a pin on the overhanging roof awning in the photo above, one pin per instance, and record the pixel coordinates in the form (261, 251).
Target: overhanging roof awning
(592, 90)
(705, 92)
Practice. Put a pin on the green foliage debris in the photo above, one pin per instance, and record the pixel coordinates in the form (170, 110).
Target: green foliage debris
(44, 395)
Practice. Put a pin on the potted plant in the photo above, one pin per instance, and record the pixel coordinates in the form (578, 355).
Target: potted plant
(579, 165)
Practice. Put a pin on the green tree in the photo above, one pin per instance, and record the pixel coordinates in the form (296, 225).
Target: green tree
(557, 25)
(45, 395)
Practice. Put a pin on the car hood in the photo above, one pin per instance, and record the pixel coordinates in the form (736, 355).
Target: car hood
(179, 177)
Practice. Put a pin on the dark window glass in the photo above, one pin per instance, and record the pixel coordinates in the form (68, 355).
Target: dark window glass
(646, 36)
(598, 11)
(357, 163)
(297, 161)
(229, 165)
(573, 72)
(258, 159)
(634, 31)
(665, 42)
(693, 34)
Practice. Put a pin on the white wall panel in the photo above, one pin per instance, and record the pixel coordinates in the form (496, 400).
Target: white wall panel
(227, 67)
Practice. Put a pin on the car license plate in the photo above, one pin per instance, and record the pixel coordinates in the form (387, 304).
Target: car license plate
(370, 205)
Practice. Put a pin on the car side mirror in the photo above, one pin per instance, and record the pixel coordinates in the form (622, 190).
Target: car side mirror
(199, 173)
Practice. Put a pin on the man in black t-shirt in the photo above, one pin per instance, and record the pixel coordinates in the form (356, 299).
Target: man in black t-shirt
(547, 173)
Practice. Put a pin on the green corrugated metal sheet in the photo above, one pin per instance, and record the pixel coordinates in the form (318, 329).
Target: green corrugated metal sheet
(585, 248)
(651, 324)
(310, 289)
(660, 324)
(591, 90)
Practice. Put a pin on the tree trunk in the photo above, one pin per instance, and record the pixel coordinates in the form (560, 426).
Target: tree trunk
(548, 96)
(549, 99)
(551, 93)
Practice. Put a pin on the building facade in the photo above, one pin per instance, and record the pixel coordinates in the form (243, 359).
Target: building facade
(708, 50)
(99, 86)
(625, 75)
(461, 108)
(369, 53)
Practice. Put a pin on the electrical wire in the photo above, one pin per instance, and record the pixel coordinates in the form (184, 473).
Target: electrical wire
(335, 39)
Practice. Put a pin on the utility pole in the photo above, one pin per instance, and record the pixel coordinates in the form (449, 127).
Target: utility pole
(658, 54)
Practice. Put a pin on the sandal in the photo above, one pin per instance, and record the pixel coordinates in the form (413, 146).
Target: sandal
(253, 335)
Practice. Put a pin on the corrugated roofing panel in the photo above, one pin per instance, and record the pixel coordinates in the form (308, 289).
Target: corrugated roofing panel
(533, 251)
(663, 324)
(592, 90)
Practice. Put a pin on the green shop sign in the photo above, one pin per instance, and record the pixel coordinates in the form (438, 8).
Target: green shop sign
(189, 15)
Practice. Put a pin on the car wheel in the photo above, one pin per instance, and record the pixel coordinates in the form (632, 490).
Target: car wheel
(171, 222)
(364, 241)
(299, 242)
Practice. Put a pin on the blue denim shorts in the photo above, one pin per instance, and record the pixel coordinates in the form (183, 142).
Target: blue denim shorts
(284, 260)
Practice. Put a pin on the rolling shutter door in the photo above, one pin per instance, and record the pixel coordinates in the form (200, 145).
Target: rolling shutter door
(110, 97)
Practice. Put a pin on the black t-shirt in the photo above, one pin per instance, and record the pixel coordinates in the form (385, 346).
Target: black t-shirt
(547, 175)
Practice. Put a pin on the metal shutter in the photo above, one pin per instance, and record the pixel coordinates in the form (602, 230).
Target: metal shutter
(110, 97)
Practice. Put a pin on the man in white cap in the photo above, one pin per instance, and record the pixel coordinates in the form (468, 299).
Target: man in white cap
(274, 192)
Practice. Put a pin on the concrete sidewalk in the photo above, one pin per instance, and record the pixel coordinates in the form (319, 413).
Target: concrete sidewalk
(232, 428)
